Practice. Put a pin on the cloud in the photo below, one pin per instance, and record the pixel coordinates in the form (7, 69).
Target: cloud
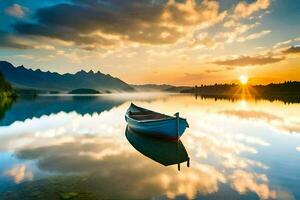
(292, 50)
(106, 23)
(26, 56)
(234, 31)
(254, 36)
(249, 61)
(230, 23)
(280, 44)
(10, 41)
(193, 76)
(202, 40)
(189, 13)
(16, 11)
(244, 9)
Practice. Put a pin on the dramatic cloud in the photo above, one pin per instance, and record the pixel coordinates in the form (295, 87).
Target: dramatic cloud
(106, 23)
(16, 11)
(7, 40)
(244, 9)
(292, 50)
(249, 61)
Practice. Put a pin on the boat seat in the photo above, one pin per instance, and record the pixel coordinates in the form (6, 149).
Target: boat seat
(147, 116)
(140, 113)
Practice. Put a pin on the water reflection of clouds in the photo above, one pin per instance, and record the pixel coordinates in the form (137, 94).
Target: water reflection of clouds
(62, 127)
(95, 144)
(108, 159)
(215, 135)
(19, 173)
(62, 148)
(243, 181)
(229, 150)
(281, 123)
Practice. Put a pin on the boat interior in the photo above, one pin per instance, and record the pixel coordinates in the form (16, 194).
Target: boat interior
(146, 115)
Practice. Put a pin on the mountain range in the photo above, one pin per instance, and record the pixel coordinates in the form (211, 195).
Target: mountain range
(24, 78)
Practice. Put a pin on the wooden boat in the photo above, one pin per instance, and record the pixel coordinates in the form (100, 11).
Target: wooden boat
(155, 124)
(164, 152)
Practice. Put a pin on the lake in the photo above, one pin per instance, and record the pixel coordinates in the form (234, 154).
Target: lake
(76, 147)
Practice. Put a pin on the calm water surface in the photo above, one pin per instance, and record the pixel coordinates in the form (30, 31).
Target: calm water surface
(64, 147)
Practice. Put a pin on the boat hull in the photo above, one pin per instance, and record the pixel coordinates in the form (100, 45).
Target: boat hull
(163, 128)
(164, 152)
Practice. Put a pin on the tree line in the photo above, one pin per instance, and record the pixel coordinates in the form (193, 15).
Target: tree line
(285, 88)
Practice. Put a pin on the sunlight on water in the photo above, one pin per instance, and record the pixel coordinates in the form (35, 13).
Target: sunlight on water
(237, 149)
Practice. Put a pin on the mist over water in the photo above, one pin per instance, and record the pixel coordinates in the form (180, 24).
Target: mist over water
(76, 146)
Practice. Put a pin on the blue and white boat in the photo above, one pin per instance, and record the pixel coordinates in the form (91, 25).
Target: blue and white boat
(155, 124)
(162, 151)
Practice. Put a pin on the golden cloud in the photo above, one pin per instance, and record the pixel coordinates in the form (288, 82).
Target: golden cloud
(99, 25)
(244, 9)
(254, 36)
(249, 61)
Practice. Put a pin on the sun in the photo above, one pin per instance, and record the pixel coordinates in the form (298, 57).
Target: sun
(244, 79)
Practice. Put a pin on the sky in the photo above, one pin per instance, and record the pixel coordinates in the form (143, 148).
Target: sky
(179, 42)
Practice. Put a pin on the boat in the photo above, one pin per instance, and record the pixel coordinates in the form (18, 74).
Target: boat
(162, 151)
(155, 124)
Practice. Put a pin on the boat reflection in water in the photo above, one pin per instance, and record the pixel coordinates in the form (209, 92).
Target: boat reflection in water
(162, 151)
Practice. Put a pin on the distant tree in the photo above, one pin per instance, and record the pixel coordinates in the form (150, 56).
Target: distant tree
(4, 85)
(6, 89)
(7, 96)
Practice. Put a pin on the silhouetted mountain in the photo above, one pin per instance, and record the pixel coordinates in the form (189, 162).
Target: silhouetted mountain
(21, 77)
